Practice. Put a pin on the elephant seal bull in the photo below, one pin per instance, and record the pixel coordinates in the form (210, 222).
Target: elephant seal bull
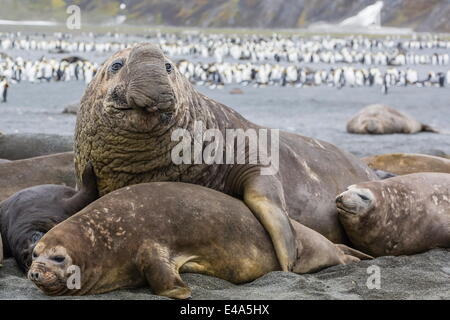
(21, 174)
(27, 215)
(27, 145)
(152, 232)
(136, 103)
(399, 216)
(381, 119)
(404, 163)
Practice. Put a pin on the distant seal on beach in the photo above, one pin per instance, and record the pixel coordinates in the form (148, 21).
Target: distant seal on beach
(72, 108)
(150, 233)
(4, 161)
(405, 163)
(24, 146)
(138, 99)
(21, 174)
(399, 216)
(381, 119)
(27, 215)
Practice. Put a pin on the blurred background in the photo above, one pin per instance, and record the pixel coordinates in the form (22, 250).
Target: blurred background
(305, 66)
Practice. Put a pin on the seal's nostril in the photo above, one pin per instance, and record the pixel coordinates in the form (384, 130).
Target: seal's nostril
(34, 276)
(339, 199)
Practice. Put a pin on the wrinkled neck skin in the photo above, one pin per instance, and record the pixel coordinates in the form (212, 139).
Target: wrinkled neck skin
(133, 157)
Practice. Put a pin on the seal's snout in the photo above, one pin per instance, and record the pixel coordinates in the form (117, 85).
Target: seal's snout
(34, 276)
(354, 201)
(373, 127)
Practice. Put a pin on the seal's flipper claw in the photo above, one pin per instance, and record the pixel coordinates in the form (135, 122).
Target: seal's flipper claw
(181, 293)
(354, 253)
(264, 196)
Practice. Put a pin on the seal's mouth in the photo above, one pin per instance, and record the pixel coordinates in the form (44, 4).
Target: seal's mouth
(342, 210)
(120, 108)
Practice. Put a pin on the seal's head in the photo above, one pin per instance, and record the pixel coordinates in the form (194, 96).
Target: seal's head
(372, 126)
(356, 202)
(50, 268)
(27, 215)
(136, 89)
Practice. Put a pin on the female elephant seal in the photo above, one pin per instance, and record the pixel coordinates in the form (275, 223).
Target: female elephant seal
(20, 174)
(150, 233)
(404, 163)
(27, 215)
(380, 119)
(138, 100)
(30, 145)
(402, 215)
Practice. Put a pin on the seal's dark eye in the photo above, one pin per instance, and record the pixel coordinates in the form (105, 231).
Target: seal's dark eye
(168, 68)
(116, 66)
(36, 237)
(58, 259)
(363, 197)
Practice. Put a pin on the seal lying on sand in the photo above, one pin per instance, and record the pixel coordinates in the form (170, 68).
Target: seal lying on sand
(402, 215)
(29, 214)
(4, 161)
(380, 119)
(72, 108)
(21, 174)
(24, 146)
(138, 99)
(404, 163)
(150, 233)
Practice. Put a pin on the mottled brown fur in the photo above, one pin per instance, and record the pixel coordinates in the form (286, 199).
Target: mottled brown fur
(149, 233)
(404, 163)
(403, 215)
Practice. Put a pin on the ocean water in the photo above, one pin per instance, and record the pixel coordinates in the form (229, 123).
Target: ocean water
(319, 112)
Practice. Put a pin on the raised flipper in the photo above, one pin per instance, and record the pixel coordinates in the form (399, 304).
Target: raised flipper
(161, 272)
(264, 196)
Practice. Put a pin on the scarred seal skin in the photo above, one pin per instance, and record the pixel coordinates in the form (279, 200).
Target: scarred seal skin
(406, 163)
(381, 119)
(150, 233)
(398, 216)
(27, 215)
(139, 98)
(21, 174)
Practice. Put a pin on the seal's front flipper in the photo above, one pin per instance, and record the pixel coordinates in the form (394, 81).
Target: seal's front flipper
(161, 272)
(264, 196)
